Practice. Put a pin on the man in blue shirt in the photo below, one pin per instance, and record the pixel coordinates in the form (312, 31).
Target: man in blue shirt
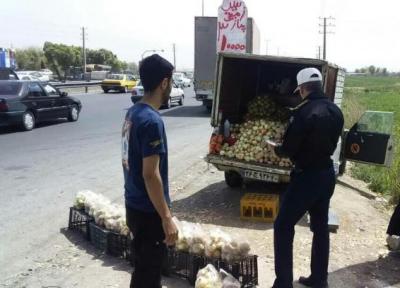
(145, 165)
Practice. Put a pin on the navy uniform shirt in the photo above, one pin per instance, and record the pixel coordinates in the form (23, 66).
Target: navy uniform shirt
(313, 133)
(143, 135)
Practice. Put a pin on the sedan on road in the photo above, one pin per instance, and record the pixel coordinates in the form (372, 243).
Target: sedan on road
(177, 95)
(26, 103)
(32, 75)
(118, 82)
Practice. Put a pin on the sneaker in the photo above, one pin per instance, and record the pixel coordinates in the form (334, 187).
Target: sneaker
(307, 281)
(393, 241)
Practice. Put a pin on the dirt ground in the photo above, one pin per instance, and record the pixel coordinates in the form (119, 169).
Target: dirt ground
(358, 256)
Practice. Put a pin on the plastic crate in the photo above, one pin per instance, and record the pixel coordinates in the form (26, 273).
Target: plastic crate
(185, 265)
(98, 236)
(246, 270)
(259, 207)
(79, 221)
(118, 245)
(130, 251)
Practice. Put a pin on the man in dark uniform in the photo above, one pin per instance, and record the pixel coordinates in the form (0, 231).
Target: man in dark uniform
(310, 141)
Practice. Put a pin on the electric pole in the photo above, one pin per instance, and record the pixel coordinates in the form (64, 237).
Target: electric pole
(318, 53)
(202, 8)
(325, 31)
(84, 50)
(266, 46)
(174, 49)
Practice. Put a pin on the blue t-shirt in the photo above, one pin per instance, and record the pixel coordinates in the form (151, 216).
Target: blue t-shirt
(143, 135)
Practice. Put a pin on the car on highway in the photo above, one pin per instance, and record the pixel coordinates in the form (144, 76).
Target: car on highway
(118, 82)
(25, 103)
(32, 75)
(8, 74)
(181, 80)
(177, 95)
(28, 77)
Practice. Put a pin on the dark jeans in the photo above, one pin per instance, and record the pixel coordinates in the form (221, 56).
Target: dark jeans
(309, 190)
(394, 224)
(148, 246)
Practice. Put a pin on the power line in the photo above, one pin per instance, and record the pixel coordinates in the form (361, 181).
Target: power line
(326, 24)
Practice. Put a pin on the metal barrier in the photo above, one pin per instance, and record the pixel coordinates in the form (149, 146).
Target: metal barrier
(84, 84)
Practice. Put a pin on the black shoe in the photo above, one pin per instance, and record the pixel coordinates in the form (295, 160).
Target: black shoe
(310, 283)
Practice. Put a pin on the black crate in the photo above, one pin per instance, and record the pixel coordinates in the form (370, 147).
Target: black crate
(119, 245)
(246, 270)
(187, 266)
(98, 236)
(183, 264)
(130, 252)
(79, 221)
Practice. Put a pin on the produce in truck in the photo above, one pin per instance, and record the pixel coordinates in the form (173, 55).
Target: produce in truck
(265, 119)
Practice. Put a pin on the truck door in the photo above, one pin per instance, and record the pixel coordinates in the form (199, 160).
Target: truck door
(370, 139)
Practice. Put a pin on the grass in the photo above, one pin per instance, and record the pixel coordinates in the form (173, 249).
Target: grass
(379, 94)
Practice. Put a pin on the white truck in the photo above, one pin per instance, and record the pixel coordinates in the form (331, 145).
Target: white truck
(205, 55)
(240, 78)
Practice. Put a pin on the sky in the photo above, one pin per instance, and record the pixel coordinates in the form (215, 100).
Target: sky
(366, 32)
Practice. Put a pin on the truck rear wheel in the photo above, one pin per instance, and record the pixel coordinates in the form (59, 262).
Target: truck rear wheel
(233, 179)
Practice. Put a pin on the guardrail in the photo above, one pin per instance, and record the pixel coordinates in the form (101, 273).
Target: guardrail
(82, 84)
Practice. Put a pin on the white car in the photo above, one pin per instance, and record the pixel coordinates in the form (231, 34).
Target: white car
(27, 77)
(47, 72)
(177, 95)
(181, 80)
(33, 74)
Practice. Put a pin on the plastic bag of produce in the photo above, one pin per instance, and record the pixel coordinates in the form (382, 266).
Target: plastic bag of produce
(208, 277)
(216, 241)
(235, 251)
(191, 237)
(228, 281)
(184, 233)
(198, 240)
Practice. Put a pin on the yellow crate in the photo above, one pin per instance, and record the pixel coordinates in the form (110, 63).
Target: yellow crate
(259, 207)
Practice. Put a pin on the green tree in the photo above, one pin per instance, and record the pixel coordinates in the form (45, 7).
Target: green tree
(62, 57)
(31, 58)
(372, 69)
(384, 71)
(133, 67)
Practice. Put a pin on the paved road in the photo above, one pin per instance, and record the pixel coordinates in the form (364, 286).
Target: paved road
(42, 170)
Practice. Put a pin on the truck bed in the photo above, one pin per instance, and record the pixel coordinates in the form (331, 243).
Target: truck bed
(250, 170)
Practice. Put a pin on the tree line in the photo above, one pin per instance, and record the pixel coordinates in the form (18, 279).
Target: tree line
(372, 70)
(63, 59)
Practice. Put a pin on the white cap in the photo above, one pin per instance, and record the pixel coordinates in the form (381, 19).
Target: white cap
(308, 75)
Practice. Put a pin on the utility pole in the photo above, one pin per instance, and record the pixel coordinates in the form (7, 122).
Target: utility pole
(202, 8)
(174, 49)
(325, 31)
(318, 53)
(84, 50)
(266, 46)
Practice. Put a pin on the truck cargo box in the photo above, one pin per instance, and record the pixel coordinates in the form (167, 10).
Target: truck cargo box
(242, 78)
